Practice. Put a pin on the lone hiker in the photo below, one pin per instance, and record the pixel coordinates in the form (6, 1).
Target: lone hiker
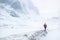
(45, 26)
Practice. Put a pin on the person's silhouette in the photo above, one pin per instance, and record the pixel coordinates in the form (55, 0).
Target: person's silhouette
(45, 26)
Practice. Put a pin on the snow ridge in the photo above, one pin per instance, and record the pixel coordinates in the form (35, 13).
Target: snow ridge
(28, 36)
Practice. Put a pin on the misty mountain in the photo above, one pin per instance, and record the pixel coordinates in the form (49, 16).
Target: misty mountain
(19, 8)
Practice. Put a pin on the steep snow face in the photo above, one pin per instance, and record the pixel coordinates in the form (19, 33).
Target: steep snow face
(19, 7)
(16, 15)
(17, 11)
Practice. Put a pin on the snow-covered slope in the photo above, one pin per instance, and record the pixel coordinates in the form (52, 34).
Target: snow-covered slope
(17, 11)
(22, 16)
(36, 35)
(17, 15)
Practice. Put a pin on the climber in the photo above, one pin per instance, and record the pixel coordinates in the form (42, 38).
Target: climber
(45, 26)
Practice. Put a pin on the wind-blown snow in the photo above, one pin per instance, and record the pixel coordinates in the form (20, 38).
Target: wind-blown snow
(20, 16)
(17, 15)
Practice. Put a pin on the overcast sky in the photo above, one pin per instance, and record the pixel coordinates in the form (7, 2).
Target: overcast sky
(48, 8)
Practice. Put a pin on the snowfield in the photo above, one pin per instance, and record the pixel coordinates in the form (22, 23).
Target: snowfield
(24, 19)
